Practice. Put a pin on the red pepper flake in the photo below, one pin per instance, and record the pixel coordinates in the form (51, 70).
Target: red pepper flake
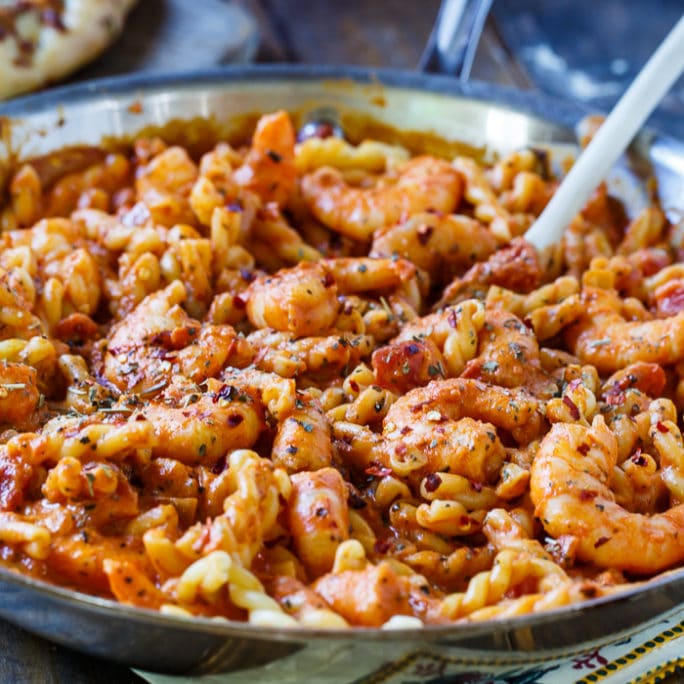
(601, 541)
(227, 392)
(355, 501)
(328, 280)
(661, 427)
(247, 275)
(381, 546)
(574, 411)
(638, 458)
(432, 482)
(424, 233)
(586, 495)
(615, 398)
(378, 470)
(219, 466)
(583, 449)
(354, 385)
(239, 302)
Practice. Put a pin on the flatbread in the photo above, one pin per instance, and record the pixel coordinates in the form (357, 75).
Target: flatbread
(41, 41)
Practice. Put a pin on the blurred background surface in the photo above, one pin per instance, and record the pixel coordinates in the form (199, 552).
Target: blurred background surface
(591, 50)
(587, 50)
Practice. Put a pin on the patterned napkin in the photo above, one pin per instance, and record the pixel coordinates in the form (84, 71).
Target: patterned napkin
(655, 651)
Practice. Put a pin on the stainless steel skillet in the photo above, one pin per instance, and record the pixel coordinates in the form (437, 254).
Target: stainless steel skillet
(481, 115)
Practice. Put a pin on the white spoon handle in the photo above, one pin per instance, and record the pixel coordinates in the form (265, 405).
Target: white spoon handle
(617, 131)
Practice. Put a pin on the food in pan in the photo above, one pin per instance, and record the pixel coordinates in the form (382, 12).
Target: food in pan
(324, 384)
(42, 41)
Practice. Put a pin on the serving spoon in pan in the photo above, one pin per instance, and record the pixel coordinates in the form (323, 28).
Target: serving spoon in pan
(640, 99)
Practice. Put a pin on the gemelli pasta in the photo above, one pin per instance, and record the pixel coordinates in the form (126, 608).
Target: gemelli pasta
(329, 385)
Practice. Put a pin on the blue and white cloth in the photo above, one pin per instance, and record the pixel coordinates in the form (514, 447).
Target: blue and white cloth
(648, 655)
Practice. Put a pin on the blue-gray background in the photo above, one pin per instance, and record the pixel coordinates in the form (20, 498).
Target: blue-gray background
(590, 50)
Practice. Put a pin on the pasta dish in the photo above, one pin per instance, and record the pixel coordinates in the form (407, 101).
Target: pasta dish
(309, 382)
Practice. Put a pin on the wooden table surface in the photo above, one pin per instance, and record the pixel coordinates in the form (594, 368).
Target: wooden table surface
(378, 33)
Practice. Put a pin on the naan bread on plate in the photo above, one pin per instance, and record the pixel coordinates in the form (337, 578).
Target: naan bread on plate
(42, 41)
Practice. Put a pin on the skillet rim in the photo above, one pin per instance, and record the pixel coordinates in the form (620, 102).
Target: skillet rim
(548, 109)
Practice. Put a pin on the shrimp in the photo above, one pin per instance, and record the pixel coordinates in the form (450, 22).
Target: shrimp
(603, 338)
(363, 274)
(304, 439)
(19, 397)
(199, 428)
(508, 355)
(16, 474)
(451, 423)
(303, 603)
(453, 331)
(444, 245)
(648, 378)
(570, 489)
(422, 183)
(303, 300)
(131, 585)
(322, 357)
(367, 597)
(318, 517)
(75, 560)
(403, 365)
(515, 267)
(158, 341)
(269, 169)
